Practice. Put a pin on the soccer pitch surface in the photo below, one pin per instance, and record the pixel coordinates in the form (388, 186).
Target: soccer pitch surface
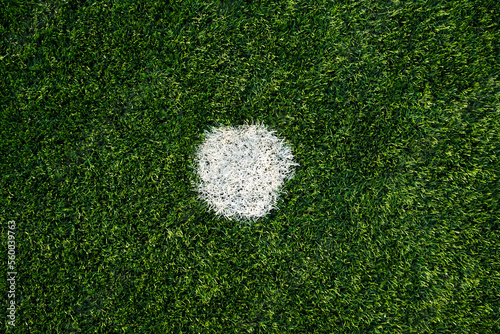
(390, 223)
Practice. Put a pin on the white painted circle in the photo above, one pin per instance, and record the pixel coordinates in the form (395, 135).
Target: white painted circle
(242, 169)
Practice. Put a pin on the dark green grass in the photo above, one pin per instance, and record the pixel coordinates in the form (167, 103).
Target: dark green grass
(391, 224)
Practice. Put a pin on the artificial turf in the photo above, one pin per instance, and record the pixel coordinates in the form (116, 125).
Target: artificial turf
(390, 225)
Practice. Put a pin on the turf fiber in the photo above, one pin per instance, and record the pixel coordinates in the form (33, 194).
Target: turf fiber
(390, 224)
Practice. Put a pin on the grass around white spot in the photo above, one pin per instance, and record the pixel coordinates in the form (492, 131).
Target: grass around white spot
(241, 170)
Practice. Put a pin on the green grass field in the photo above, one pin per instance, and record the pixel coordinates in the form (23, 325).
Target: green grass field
(390, 225)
